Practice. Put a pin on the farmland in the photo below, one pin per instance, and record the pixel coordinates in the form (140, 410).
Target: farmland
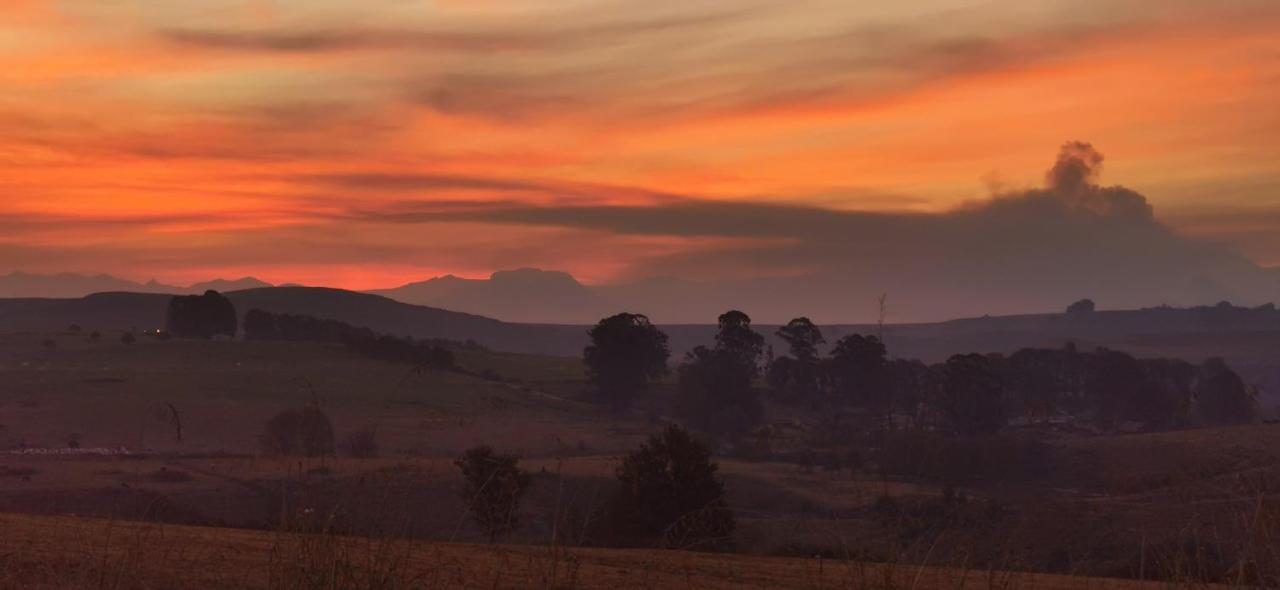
(166, 433)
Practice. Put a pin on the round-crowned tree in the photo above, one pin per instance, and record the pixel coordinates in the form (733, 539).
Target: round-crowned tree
(625, 354)
(201, 316)
(736, 338)
(800, 380)
(1083, 306)
(857, 366)
(972, 395)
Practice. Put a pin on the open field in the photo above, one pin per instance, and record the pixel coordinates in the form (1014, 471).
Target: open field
(38, 552)
(1245, 338)
(1101, 506)
(112, 395)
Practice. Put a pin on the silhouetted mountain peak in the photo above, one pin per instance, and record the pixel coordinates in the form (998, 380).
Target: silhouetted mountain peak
(521, 295)
(534, 278)
(63, 285)
(530, 273)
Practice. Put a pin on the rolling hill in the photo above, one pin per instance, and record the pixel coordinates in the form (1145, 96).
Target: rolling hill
(1248, 338)
(146, 311)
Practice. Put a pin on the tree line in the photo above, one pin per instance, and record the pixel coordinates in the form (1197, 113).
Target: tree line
(264, 325)
(721, 386)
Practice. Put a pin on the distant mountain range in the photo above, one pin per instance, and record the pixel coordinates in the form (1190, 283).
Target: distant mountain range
(552, 297)
(522, 295)
(70, 285)
(529, 295)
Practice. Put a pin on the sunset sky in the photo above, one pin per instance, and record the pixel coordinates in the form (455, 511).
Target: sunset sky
(368, 144)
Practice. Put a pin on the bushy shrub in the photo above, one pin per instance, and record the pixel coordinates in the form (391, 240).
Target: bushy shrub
(494, 484)
(306, 432)
(669, 492)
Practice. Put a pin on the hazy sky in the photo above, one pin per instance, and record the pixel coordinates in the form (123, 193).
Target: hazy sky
(366, 144)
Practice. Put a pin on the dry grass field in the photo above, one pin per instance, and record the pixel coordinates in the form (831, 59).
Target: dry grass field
(57, 552)
(109, 395)
(1181, 506)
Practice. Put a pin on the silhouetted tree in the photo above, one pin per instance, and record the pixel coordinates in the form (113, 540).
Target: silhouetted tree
(1112, 387)
(434, 353)
(972, 395)
(801, 377)
(910, 386)
(670, 491)
(306, 432)
(260, 325)
(857, 369)
(1166, 398)
(493, 486)
(736, 337)
(854, 374)
(1108, 387)
(625, 354)
(1111, 380)
(403, 350)
(1035, 381)
(779, 376)
(716, 393)
(1081, 306)
(201, 316)
(1221, 395)
(802, 338)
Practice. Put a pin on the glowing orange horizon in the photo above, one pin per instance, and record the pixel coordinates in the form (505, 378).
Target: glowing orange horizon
(167, 159)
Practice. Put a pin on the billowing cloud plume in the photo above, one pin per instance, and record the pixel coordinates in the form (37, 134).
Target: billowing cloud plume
(1028, 251)
(820, 153)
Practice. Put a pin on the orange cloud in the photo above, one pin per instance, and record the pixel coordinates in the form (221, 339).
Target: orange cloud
(174, 140)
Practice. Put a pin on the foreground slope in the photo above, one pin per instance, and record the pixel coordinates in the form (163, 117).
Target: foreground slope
(61, 552)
